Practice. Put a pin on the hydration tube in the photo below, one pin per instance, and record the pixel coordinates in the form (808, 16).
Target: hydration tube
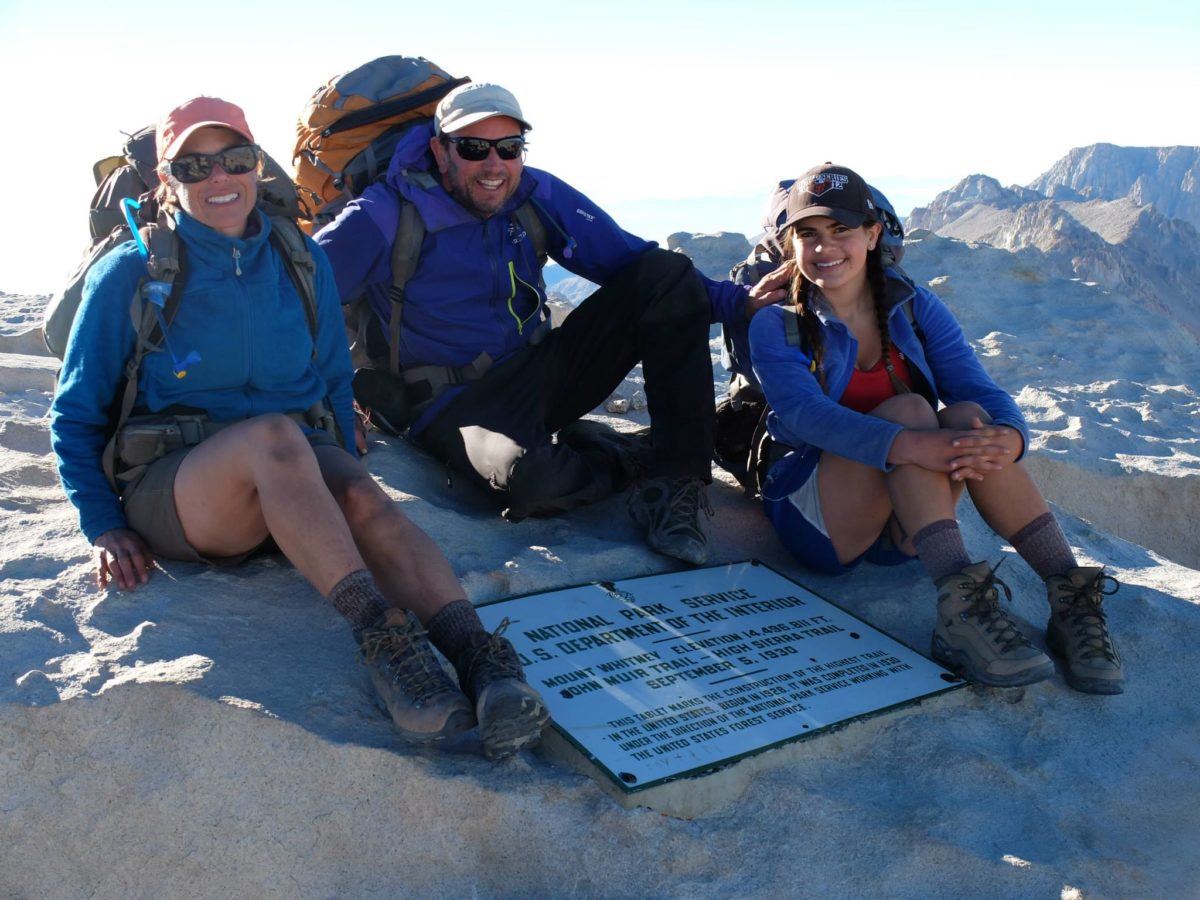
(156, 292)
(128, 205)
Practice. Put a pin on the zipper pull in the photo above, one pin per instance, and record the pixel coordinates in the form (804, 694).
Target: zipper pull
(237, 264)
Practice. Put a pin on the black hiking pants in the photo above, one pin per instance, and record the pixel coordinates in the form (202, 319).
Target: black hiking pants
(497, 432)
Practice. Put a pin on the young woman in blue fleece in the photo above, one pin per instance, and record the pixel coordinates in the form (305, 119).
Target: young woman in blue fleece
(888, 416)
(227, 449)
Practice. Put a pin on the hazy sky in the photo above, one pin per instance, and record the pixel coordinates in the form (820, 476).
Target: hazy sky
(672, 115)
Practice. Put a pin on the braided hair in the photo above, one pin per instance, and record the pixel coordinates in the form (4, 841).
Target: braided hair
(803, 294)
(878, 283)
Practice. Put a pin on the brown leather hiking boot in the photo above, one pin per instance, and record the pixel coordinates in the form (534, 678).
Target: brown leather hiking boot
(1078, 633)
(417, 692)
(975, 636)
(511, 714)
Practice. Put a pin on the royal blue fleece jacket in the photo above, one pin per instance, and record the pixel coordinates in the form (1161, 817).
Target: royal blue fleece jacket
(475, 287)
(250, 330)
(804, 417)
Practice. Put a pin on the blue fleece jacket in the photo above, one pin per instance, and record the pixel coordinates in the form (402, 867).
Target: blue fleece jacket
(475, 288)
(249, 329)
(803, 417)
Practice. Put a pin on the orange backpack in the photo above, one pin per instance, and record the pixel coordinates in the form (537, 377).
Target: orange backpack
(348, 130)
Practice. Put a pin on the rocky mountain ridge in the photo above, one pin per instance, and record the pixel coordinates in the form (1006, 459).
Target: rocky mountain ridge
(1167, 178)
(1125, 218)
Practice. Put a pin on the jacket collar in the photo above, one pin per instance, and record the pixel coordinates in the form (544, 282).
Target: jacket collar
(199, 235)
(898, 289)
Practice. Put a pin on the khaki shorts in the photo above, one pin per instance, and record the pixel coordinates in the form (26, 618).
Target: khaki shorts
(150, 510)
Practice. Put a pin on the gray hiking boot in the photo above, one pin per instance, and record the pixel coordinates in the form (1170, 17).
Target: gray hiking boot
(511, 714)
(417, 692)
(669, 510)
(1078, 632)
(973, 634)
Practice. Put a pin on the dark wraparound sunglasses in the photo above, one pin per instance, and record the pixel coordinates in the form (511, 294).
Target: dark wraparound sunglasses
(195, 167)
(474, 149)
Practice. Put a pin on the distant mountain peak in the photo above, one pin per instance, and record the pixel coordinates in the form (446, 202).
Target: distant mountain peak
(1123, 217)
(972, 191)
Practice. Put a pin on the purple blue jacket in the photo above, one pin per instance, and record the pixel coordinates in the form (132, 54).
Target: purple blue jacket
(476, 287)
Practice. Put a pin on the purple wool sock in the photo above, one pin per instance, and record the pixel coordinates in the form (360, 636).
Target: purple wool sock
(358, 599)
(455, 629)
(941, 549)
(1043, 545)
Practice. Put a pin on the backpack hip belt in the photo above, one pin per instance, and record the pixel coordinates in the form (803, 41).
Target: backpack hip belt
(425, 383)
(146, 439)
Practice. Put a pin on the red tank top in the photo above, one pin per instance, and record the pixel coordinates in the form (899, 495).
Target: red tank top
(868, 389)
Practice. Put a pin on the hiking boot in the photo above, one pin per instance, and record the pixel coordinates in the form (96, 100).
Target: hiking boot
(1078, 633)
(973, 634)
(417, 692)
(669, 510)
(511, 714)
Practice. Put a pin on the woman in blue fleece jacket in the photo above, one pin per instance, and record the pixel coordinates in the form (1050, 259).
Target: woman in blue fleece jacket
(241, 369)
(888, 416)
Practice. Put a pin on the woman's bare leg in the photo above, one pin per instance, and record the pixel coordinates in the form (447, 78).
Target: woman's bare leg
(1008, 500)
(259, 478)
(857, 500)
(408, 566)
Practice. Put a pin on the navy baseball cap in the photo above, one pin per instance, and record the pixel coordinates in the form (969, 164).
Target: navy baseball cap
(833, 191)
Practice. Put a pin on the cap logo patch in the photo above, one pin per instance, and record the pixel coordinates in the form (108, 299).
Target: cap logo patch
(818, 185)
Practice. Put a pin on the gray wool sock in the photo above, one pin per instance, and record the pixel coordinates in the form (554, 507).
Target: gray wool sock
(941, 549)
(1043, 545)
(358, 599)
(455, 629)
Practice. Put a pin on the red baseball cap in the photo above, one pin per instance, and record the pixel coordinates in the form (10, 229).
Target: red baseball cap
(200, 112)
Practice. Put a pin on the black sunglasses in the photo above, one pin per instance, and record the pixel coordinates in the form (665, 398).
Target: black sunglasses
(193, 168)
(474, 149)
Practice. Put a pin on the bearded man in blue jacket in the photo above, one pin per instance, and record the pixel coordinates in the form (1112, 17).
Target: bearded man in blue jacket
(497, 392)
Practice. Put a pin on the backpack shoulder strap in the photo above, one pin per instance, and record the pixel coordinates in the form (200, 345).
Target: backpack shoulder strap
(531, 223)
(164, 263)
(528, 220)
(289, 243)
(163, 268)
(912, 321)
(406, 253)
(795, 338)
(791, 327)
